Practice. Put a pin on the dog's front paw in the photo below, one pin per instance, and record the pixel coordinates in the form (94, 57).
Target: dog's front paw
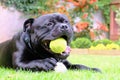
(49, 64)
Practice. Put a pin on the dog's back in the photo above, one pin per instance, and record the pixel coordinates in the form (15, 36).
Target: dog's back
(6, 51)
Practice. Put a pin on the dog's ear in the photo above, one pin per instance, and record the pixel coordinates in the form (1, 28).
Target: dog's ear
(27, 24)
(27, 29)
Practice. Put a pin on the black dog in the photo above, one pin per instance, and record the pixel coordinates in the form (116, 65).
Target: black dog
(29, 49)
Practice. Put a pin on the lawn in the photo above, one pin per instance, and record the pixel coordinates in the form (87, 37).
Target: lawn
(110, 66)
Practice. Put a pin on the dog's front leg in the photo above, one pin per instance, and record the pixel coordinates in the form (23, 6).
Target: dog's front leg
(79, 66)
(34, 65)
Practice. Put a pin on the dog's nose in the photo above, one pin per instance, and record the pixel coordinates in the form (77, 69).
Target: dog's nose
(63, 27)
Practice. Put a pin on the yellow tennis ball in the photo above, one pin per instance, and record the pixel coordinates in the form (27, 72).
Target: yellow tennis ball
(58, 45)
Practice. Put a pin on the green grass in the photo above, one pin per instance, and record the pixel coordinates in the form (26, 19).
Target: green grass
(110, 66)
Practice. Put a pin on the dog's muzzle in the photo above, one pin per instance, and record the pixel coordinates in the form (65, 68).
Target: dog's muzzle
(64, 27)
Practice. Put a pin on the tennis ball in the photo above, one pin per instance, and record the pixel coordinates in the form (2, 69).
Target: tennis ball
(58, 45)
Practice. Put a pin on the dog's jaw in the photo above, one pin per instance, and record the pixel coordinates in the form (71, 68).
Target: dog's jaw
(63, 55)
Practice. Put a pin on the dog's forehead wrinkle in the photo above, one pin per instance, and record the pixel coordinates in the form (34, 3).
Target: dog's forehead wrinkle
(45, 18)
(61, 18)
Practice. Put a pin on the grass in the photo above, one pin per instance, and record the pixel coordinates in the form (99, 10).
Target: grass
(110, 66)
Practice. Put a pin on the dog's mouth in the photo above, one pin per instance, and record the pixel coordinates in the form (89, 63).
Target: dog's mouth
(64, 54)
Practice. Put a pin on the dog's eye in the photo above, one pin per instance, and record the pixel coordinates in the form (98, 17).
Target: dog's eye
(65, 21)
(49, 24)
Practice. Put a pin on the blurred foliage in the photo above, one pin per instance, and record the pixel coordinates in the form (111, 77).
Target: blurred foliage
(35, 7)
(41, 6)
(118, 42)
(112, 46)
(84, 9)
(81, 43)
(98, 47)
(104, 5)
(104, 44)
(103, 41)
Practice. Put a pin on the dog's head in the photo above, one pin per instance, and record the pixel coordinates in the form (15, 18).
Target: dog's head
(49, 27)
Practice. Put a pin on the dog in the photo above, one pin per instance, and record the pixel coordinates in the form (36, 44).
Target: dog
(29, 49)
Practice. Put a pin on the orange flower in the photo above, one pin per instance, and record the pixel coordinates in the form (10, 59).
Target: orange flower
(92, 34)
(83, 10)
(92, 1)
(85, 15)
(69, 0)
(102, 27)
(87, 7)
(81, 26)
(78, 3)
(57, 3)
(82, 3)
